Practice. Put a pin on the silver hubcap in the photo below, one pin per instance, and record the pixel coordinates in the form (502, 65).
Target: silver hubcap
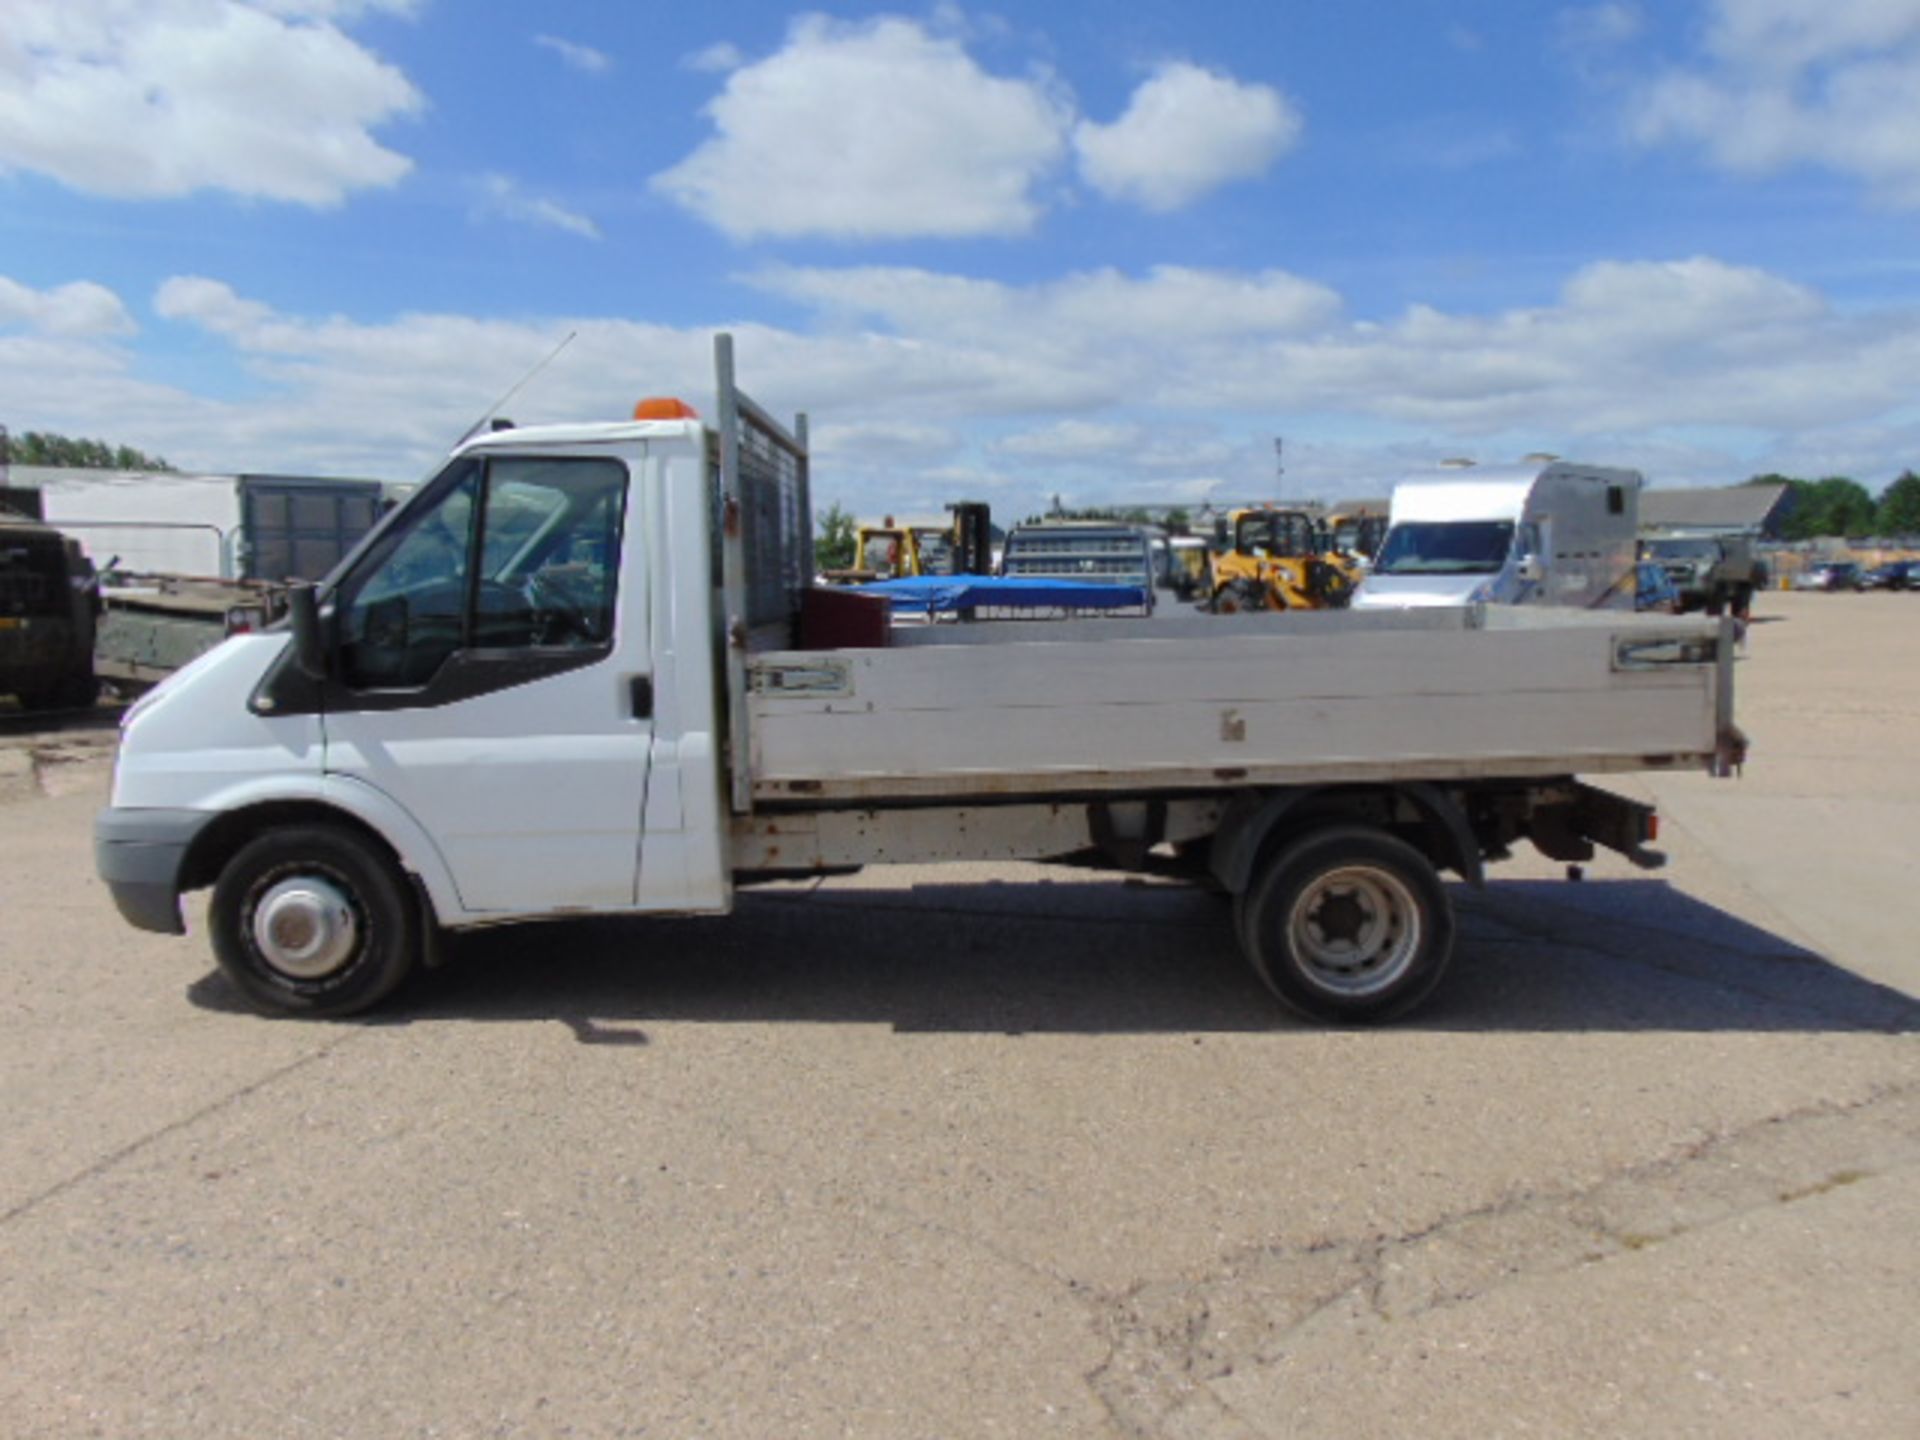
(1355, 930)
(305, 927)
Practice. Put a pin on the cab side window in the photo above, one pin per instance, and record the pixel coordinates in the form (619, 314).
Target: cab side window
(517, 554)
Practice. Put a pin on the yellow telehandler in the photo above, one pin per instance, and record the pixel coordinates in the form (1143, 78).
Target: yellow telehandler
(1280, 560)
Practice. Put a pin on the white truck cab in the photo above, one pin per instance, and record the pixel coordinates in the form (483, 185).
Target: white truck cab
(1550, 533)
(584, 671)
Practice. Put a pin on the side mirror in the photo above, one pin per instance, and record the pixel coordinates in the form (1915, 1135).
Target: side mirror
(1531, 570)
(309, 641)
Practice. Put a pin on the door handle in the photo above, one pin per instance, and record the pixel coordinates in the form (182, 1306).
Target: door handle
(640, 694)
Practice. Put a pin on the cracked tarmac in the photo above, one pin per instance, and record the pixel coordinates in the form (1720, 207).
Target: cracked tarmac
(1186, 1354)
(933, 1153)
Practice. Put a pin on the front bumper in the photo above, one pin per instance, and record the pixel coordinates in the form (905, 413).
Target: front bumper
(139, 854)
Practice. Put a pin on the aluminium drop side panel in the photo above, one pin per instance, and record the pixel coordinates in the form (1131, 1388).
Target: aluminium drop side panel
(1309, 700)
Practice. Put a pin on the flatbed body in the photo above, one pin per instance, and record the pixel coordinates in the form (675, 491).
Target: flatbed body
(1206, 702)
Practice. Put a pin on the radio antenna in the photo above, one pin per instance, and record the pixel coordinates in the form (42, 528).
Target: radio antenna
(495, 408)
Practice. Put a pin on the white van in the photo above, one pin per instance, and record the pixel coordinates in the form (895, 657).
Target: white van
(1531, 534)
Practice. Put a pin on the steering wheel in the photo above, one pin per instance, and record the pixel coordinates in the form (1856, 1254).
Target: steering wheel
(558, 614)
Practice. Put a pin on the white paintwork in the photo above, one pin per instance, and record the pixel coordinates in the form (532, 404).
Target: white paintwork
(586, 439)
(192, 735)
(191, 743)
(685, 866)
(1418, 592)
(1567, 549)
(539, 795)
(534, 793)
(1489, 495)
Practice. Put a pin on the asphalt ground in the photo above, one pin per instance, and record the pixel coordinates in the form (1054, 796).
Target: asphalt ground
(973, 1151)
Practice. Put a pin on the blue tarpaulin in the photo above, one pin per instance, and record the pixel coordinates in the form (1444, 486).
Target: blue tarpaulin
(935, 594)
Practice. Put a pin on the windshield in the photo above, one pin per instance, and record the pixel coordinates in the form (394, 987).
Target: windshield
(1445, 547)
(1683, 549)
(1279, 535)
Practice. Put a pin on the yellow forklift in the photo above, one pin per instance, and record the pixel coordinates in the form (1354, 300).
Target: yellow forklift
(894, 550)
(1280, 560)
(888, 551)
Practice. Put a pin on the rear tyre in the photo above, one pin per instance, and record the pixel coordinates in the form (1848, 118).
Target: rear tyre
(1350, 926)
(313, 920)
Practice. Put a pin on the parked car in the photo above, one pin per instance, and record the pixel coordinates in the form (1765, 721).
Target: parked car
(1835, 575)
(1894, 575)
(1653, 588)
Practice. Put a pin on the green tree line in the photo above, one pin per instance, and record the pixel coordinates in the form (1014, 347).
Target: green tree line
(1839, 506)
(38, 447)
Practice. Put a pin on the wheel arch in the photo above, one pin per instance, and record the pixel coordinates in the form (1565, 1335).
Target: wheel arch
(330, 801)
(1273, 817)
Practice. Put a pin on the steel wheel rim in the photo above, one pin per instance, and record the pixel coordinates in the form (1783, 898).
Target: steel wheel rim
(305, 926)
(1355, 931)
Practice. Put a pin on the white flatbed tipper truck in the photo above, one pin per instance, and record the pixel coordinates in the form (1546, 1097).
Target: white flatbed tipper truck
(585, 671)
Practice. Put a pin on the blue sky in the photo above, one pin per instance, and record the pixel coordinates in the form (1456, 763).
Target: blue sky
(1106, 252)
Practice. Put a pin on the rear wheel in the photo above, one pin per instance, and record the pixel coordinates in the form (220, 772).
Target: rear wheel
(1350, 925)
(313, 920)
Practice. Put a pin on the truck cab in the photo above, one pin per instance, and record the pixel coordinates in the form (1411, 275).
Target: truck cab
(497, 689)
(1553, 534)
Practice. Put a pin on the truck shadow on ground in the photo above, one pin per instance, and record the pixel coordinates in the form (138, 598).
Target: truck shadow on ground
(1097, 957)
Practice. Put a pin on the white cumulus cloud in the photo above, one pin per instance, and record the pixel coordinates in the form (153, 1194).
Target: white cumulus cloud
(924, 386)
(79, 309)
(162, 98)
(871, 130)
(1171, 302)
(1781, 83)
(1185, 132)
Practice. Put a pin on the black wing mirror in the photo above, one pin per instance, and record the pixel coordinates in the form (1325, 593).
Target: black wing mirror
(309, 639)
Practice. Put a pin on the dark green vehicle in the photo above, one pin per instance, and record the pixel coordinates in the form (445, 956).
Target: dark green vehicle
(49, 603)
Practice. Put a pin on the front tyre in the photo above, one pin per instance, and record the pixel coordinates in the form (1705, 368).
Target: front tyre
(1348, 926)
(313, 920)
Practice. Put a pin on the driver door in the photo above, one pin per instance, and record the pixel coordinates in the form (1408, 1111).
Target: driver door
(490, 677)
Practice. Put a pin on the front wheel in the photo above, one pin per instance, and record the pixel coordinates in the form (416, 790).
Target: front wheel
(313, 920)
(1349, 926)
